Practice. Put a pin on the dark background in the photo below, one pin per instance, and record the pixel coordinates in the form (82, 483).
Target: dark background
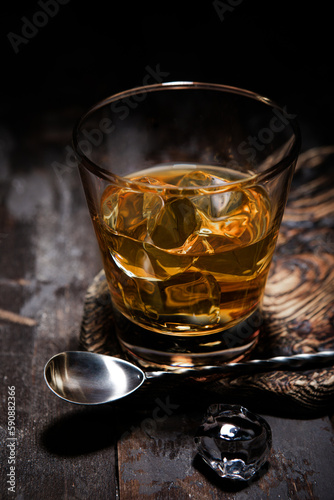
(87, 51)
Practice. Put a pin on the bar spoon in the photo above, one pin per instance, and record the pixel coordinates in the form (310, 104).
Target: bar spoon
(88, 378)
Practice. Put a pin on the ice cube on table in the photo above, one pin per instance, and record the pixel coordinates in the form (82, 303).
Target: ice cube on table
(234, 442)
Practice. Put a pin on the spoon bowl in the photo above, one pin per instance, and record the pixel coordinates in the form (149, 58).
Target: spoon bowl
(90, 379)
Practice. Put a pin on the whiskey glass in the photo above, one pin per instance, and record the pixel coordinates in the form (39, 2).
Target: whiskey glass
(186, 185)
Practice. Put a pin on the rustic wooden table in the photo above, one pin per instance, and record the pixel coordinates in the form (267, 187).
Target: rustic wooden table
(138, 448)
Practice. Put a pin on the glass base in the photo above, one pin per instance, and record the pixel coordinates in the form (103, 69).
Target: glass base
(171, 351)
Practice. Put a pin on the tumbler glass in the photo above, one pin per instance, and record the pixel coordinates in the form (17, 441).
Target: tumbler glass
(186, 185)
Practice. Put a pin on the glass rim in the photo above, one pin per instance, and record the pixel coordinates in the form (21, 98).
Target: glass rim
(107, 175)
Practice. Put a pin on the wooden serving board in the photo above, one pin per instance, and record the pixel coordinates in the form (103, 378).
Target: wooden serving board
(298, 303)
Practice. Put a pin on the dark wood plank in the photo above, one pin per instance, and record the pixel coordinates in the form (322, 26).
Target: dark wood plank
(47, 258)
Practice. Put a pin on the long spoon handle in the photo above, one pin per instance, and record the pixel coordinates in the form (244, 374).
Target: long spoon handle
(294, 362)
